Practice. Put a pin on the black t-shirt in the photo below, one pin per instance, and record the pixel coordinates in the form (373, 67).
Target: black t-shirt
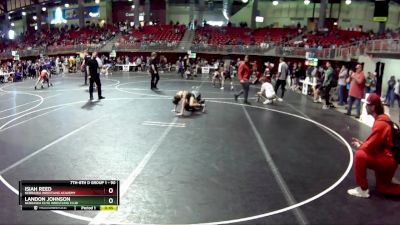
(153, 63)
(86, 60)
(93, 67)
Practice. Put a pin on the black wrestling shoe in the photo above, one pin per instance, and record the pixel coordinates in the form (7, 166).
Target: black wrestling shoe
(236, 97)
(101, 97)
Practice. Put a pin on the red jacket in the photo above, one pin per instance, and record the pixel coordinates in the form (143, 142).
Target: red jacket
(379, 142)
(244, 71)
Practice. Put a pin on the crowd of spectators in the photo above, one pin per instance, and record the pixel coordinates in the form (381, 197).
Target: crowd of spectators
(168, 36)
(152, 36)
(264, 38)
(54, 37)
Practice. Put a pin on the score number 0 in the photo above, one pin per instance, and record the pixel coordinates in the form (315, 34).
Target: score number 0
(110, 191)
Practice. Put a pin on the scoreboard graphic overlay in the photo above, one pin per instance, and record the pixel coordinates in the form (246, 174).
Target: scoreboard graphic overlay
(82, 195)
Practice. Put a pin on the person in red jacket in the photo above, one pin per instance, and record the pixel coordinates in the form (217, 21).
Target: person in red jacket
(375, 153)
(244, 77)
(356, 92)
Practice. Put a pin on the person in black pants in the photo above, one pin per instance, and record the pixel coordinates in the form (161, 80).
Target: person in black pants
(155, 77)
(327, 85)
(282, 75)
(243, 75)
(86, 58)
(93, 66)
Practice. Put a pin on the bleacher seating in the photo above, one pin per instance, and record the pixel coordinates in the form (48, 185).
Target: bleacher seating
(55, 37)
(242, 35)
(337, 38)
(155, 33)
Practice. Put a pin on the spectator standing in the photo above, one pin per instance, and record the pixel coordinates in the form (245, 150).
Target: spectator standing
(373, 83)
(86, 59)
(397, 94)
(356, 93)
(282, 76)
(342, 85)
(368, 83)
(327, 85)
(389, 99)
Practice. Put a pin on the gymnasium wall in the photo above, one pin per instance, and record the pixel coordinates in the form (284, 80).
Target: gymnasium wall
(291, 12)
(391, 68)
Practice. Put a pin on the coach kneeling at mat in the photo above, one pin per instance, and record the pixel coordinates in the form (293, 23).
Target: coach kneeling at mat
(376, 154)
(267, 92)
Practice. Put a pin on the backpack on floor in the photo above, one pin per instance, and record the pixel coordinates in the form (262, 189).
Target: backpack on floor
(396, 140)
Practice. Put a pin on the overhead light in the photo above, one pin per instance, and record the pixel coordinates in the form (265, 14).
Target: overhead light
(245, 1)
(36, 27)
(24, 13)
(307, 2)
(141, 18)
(348, 2)
(12, 24)
(94, 14)
(66, 5)
(11, 34)
(335, 23)
(9, 17)
(34, 17)
(259, 19)
(97, 1)
(44, 9)
(130, 0)
(215, 23)
(133, 6)
(275, 2)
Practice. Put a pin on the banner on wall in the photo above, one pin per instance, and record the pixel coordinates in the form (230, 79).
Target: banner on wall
(72, 13)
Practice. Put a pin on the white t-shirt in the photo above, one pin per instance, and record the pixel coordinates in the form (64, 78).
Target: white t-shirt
(99, 62)
(280, 67)
(267, 89)
(396, 88)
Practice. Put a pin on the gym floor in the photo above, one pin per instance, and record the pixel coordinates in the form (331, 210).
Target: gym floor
(285, 163)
